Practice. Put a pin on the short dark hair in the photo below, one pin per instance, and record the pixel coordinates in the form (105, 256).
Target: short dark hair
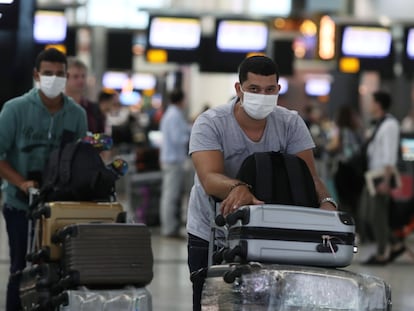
(51, 55)
(258, 64)
(176, 96)
(383, 98)
(106, 94)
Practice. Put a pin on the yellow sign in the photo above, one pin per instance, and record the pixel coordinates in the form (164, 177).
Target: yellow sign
(157, 56)
(349, 65)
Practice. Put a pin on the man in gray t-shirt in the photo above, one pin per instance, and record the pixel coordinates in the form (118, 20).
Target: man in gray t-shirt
(224, 136)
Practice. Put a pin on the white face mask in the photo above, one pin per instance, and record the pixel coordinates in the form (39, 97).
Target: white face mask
(52, 86)
(258, 106)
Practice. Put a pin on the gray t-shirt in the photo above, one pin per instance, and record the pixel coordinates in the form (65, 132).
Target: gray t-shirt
(217, 129)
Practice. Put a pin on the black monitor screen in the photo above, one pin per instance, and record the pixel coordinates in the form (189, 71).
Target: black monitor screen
(174, 32)
(9, 14)
(119, 50)
(233, 41)
(366, 42)
(241, 36)
(49, 27)
(176, 37)
(318, 86)
(371, 45)
(408, 52)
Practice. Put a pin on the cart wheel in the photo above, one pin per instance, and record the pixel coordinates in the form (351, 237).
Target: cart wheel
(230, 254)
(236, 272)
(220, 220)
(218, 256)
(230, 276)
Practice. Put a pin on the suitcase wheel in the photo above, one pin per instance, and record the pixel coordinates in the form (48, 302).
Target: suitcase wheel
(42, 254)
(230, 254)
(121, 217)
(218, 256)
(220, 220)
(236, 272)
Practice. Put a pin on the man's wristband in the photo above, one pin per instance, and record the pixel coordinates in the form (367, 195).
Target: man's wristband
(330, 200)
(240, 183)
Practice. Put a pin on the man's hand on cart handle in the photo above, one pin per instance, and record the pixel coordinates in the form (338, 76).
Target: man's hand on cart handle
(26, 185)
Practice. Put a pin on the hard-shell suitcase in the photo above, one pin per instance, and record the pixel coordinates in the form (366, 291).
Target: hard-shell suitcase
(106, 255)
(290, 234)
(256, 287)
(125, 299)
(49, 217)
(38, 284)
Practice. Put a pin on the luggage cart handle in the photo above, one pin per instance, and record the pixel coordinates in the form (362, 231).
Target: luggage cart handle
(33, 195)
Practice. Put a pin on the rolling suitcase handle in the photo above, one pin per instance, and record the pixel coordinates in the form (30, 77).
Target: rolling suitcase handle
(34, 194)
(215, 251)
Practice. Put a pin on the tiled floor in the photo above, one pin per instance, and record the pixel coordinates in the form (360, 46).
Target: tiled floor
(171, 288)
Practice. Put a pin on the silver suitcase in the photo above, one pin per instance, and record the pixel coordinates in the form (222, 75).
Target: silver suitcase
(125, 299)
(273, 233)
(259, 287)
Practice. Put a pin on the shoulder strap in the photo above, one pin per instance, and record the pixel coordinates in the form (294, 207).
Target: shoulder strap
(66, 161)
(294, 174)
(54, 167)
(264, 175)
(377, 126)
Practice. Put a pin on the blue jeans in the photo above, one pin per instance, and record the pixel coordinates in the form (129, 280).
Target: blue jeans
(17, 231)
(171, 198)
(197, 259)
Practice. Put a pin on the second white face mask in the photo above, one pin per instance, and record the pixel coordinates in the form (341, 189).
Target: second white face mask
(52, 86)
(258, 106)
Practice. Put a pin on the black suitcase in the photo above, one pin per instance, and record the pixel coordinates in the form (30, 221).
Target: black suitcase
(106, 255)
(39, 283)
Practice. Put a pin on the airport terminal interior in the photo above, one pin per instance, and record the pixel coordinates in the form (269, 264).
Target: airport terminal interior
(330, 54)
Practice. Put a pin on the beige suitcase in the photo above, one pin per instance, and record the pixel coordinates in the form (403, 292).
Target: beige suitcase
(48, 218)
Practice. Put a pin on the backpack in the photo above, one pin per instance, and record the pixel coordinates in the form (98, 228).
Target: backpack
(76, 172)
(279, 178)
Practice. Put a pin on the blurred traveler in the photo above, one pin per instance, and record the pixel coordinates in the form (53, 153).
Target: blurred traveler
(31, 126)
(316, 123)
(382, 153)
(76, 87)
(407, 123)
(107, 101)
(174, 152)
(120, 121)
(346, 144)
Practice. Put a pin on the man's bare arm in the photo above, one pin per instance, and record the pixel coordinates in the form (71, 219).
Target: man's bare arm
(209, 166)
(13, 177)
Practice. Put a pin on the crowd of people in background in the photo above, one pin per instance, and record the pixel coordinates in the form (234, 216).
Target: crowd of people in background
(339, 143)
(338, 140)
